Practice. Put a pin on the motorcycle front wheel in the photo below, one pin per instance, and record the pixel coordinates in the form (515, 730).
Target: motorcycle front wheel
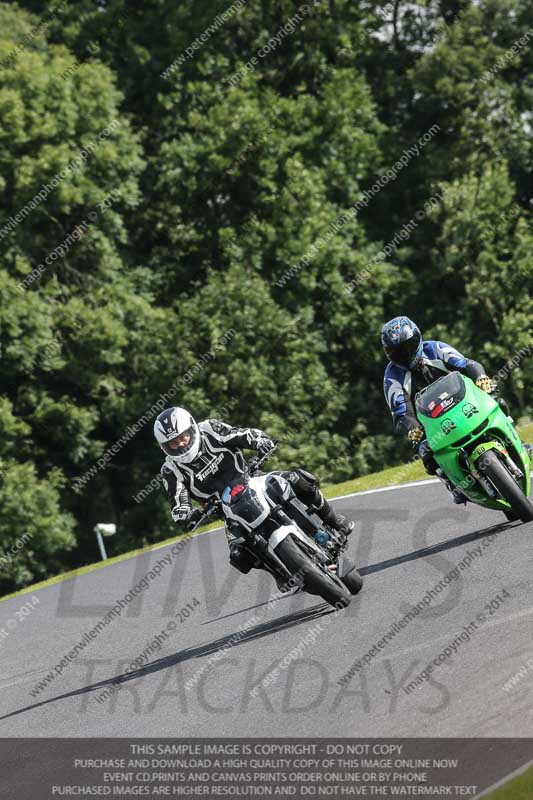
(353, 582)
(504, 482)
(316, 581)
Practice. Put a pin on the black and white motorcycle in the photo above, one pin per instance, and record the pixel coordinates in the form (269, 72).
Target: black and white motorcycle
(291, 542)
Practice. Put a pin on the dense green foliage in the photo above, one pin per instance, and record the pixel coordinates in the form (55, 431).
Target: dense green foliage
(212, 235)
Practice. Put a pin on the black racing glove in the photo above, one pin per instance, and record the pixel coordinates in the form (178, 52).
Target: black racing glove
(181, 514)
(265, 445)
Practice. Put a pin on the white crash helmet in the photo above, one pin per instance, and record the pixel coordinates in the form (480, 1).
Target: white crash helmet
(178, 435)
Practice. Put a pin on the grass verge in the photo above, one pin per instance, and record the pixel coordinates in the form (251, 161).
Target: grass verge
(519, 788)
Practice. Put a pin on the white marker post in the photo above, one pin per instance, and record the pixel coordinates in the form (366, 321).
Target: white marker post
(104, 529)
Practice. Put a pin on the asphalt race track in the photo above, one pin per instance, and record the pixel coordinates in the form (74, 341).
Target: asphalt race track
(406, 541)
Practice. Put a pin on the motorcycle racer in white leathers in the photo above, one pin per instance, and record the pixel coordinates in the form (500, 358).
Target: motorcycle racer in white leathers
(203, 458)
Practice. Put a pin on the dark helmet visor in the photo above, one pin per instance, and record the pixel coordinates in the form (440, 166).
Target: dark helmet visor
(404, 353)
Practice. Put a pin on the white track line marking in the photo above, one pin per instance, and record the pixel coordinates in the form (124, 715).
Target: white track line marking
(388, 488)
(339, 497)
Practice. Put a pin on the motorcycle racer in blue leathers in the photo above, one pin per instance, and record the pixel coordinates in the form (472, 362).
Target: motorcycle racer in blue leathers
(413, 364)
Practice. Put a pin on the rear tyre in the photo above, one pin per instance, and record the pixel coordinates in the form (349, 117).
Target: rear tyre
(353, 582)
(329, 588)
(504, 482)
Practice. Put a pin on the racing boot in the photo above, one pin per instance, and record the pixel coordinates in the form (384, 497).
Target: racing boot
(337, 521)
(305, 487)
(458, 495)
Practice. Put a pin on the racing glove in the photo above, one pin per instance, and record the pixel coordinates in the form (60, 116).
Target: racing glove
(265, 445)
(484, 383)
(194, 517)
(416, 435)
(182, 513)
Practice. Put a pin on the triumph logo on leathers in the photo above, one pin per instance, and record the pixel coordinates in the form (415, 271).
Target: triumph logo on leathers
(211, 467)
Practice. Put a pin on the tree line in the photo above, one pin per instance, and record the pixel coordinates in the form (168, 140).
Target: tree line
(370, 160)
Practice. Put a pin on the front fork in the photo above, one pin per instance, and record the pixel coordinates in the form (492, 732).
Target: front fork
(474, 463)
(309, 523)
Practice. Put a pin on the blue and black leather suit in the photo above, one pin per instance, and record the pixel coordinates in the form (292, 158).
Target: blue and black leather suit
(401, 384)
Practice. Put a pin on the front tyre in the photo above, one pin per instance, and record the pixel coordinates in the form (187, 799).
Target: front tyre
(328, 587)
(353, 582)
(504, 482)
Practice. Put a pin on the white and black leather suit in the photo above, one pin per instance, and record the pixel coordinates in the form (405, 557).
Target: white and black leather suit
(219, 462)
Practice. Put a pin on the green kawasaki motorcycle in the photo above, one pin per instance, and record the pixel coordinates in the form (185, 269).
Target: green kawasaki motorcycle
(476, 446)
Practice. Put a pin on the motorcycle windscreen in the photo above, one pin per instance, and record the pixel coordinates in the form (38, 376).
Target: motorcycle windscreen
(440, 396)
(247, 506)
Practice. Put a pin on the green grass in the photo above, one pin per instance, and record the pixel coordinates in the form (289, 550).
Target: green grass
(526, 432)
(412, 471)
(393, 476)
(520, 788)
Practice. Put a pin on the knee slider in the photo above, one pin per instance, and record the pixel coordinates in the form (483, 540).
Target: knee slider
(304, 480)
(305, 486)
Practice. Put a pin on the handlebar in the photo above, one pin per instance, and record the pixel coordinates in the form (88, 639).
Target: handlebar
(210, 509)
(253, 465)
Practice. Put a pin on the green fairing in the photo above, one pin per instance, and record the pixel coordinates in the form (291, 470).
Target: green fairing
(462, 428)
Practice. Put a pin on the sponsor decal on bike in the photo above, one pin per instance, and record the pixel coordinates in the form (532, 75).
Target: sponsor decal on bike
(469, 409)
(441, 408)
(447, 426)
